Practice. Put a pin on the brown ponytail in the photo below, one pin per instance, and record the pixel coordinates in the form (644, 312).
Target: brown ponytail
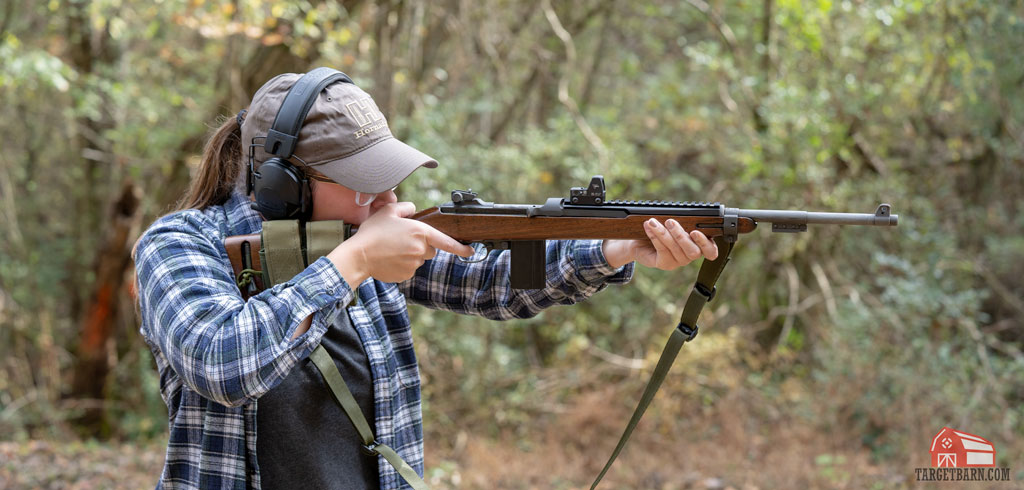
(218, 170)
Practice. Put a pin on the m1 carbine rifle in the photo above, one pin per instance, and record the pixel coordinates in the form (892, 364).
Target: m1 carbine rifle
(585, 214)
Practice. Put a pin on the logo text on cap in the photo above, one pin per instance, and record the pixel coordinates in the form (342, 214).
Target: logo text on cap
(364, 111)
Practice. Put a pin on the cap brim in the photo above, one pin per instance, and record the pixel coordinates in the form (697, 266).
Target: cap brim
(377, 168)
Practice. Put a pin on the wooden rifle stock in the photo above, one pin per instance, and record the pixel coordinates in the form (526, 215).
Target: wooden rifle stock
(244, 254)
(523, 235)
(497, 228)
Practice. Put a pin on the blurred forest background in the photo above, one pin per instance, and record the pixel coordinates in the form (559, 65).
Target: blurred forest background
(829, 359)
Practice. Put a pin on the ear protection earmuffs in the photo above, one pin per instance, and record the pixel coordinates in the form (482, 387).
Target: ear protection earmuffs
(281, 189)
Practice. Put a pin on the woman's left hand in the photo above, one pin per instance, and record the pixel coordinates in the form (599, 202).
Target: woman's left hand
(670, 247)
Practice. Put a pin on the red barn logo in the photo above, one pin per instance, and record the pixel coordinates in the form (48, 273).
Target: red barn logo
(955, 449)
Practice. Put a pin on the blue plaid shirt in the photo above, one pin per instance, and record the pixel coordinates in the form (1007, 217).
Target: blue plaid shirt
(217, 354)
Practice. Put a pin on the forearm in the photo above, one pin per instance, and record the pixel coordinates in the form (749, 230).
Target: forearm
(232, 355)
(619, 252)
(232, 351)
(225, 348)
(348, 260)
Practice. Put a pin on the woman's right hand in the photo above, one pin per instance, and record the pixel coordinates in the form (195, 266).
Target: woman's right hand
(390, 247)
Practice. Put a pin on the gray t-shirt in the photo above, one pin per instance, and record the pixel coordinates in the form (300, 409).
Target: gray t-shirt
(303, 437)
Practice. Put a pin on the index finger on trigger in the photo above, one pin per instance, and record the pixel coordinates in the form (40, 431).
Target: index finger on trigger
(444, 242)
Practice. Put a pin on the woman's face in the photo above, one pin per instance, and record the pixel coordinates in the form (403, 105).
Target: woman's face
(336, 202)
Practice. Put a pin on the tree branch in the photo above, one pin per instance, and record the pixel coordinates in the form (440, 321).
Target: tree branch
(563, 86)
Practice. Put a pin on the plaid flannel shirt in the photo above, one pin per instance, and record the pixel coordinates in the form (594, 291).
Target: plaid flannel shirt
(217, 354)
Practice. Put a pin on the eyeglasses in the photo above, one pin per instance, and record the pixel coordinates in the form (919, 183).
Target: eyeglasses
(359, 195)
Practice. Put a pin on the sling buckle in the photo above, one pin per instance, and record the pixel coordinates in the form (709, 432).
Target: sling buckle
(689, 332)
(703, 291)
(371, 449)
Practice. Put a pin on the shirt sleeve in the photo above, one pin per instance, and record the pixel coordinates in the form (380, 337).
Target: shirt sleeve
(575, 270)
(224, 348)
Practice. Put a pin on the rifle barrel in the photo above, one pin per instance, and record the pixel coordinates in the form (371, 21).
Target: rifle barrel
(881, 217)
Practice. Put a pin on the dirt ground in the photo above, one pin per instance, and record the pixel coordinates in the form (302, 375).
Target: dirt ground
(650, 463)
(79, 465)
(729, 450)
(479, 464)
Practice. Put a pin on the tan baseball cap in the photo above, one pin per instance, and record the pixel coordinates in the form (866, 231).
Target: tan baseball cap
(344, 136)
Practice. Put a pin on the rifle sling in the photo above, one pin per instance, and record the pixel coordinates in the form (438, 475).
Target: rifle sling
(283, 256)
(703, 291)
(283, 253)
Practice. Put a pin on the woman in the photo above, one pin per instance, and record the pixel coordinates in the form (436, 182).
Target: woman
(246, 409)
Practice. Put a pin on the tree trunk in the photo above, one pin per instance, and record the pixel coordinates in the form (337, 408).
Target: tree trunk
(100, 313)
(87, 50)
(101, 310)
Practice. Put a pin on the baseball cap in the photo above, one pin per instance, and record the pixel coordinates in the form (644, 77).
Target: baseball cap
(344, 136)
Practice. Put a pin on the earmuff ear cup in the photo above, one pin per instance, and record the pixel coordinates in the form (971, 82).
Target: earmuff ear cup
(281, 191)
